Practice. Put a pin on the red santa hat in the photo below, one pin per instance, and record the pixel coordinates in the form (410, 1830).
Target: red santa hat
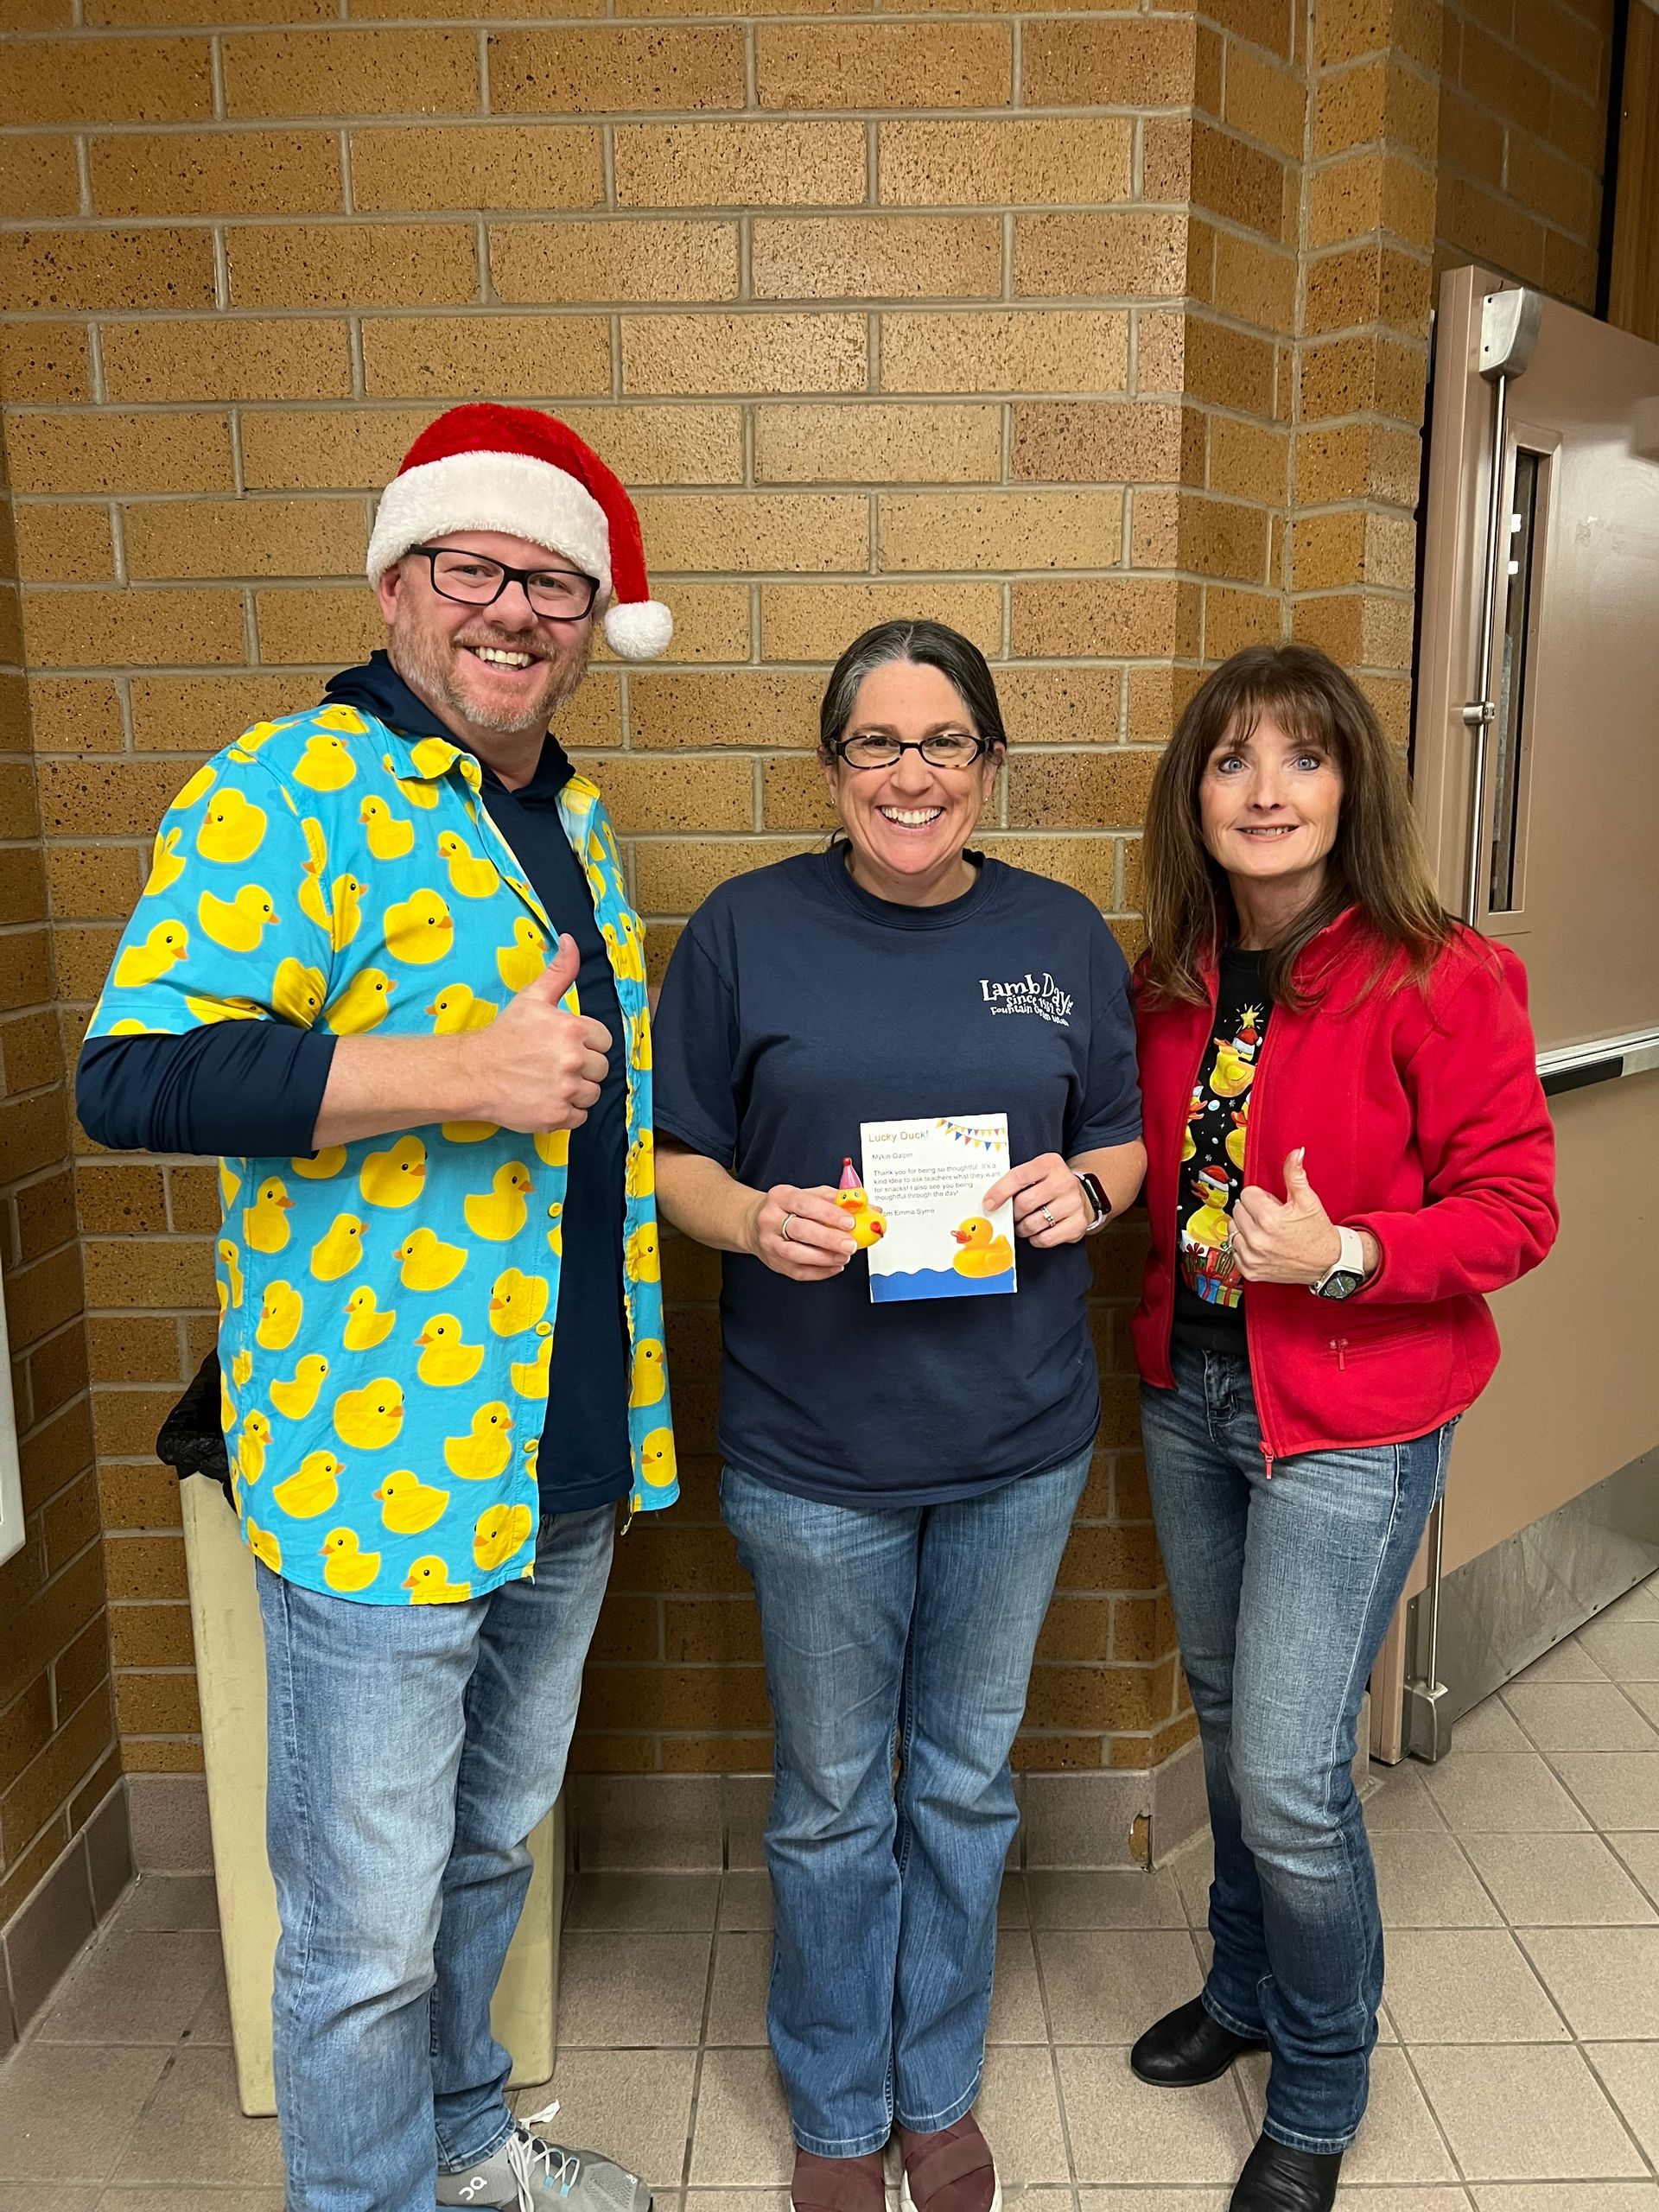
(514, 469)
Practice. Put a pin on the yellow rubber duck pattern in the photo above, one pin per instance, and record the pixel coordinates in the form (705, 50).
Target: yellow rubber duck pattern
(386, 1307)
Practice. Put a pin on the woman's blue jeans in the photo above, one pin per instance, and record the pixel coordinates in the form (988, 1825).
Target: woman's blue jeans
(1283, 1590)
(911, 1628)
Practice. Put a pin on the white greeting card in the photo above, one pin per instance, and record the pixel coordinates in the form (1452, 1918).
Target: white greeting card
(922, 1218)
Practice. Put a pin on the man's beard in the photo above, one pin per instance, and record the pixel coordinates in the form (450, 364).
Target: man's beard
(426, 665)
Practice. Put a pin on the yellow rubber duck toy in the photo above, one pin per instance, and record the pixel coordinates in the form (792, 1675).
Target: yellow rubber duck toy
(366, 1325)
(312, 1488)
(319, 1166)
(1234, 1068)
(983, 1252)
(433, 756)
(650, 1373)
(517, 1301)
(389, 839)
(640, 1179)
(415, 790)
(529, 1377)
(238, 923)
(555, 1233)
(1236, 1135)
(281, 1311)
(198, 787)
(229, 1184)
(1194, 1113)
(363, 1003)
(639, 1042)
(264, 1223)
(458, 1008)
(342, 718)
(409, 1506)
(340, 914)
(297, 992)
(420, 929)
(252, 1443)
(325, 765)
(552, 1147)
(339, 1250)
(657, 1461)
(642, 1260)
(446, 1358)
(627, 954)
(1210, 1225)
(264, 1546)
(370, 1418)
(498, 1532)
(867, 1223)
(350, 1567)
(470, 876)
(226, 1403)
(501, 1213)
(242, 1368)
(484, 1452)
(231, 1260)
(427, 1584)
(427, 1263)
(144, 964)
(520, 962)
(468, 1132)
(295, 1398)
(166, 863)
(233, 828)
(395, 1177)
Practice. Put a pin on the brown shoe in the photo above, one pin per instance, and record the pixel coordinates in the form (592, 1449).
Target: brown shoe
(950, 2170)
(838, 2185)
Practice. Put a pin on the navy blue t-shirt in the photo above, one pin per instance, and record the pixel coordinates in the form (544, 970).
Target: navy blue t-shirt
(795, 1006)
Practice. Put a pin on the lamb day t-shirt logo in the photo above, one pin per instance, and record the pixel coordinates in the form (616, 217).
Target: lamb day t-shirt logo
(1025, 994)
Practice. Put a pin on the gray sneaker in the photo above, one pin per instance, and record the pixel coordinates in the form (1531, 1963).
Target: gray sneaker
(529, 2174)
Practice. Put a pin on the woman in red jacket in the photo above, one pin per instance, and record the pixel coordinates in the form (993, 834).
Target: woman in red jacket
(1347, 1145)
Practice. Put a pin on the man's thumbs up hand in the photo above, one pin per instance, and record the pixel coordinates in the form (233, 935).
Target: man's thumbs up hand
(537, 1066)
(1288, 1240)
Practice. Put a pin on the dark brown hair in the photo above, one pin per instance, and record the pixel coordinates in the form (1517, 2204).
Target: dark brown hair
(1377, 863)
(928, 645)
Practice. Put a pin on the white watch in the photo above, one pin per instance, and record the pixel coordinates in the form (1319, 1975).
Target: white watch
(1347, 1272)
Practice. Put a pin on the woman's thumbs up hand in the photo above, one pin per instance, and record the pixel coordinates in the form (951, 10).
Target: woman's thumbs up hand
(1288, 1240)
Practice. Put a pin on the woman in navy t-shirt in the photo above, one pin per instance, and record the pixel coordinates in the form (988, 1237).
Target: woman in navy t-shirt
(900, 1478)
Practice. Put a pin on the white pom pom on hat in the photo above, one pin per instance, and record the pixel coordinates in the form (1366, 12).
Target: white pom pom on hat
(513, 469)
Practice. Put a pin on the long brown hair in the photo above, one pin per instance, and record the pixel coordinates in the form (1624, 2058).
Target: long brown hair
(1377, 863)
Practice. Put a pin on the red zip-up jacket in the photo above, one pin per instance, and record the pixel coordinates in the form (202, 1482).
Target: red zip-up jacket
(1422, 1119)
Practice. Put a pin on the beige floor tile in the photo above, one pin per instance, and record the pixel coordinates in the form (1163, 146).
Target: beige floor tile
(1193, 1870)
(1018, 2109)
(1628, 1650)
(168, 1901)
(1017, 2014)
(1106, 1985)
(737, 2003)
(1502, 1791)
(1122, 2131)
(1402, 1803)
(1425, 1881)
(183, 2200)
(140, 1988)
(742, 2124)
(1555, 1881)
(745, 1901)
(212, 2024)
(1580, 1717)
(662, 1901)
(1630, 2074)
(1606, 1980)
(193, 2131)
(1567, 1663)
(1644, 1696)
(1488, 1727)
(632, 1990)
(634, 2105)
(1617, 1789)
(1525, 2111)
(37, 2197)
(1359, 2196)
(1640, 1853)
(1568, 2196)
(733, 2200)
(1466, 1985)
(1012, 1906)
(1397, 2141)
(1641, 1603)
(1116, 1899)
(103, 2090)
(1152, 2200)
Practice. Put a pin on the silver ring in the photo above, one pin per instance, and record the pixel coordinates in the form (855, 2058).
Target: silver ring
(1048, 1215)
(784, 1231)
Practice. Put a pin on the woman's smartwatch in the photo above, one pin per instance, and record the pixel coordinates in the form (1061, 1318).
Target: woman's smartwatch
(1347, 1273)
(1100, 1204)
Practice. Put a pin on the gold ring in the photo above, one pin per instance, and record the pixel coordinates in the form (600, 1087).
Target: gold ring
(784, 1231)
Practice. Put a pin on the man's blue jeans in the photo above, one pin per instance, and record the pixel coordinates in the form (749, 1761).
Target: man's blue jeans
(413, 1748)
(1283, 1590)
(911, 1627)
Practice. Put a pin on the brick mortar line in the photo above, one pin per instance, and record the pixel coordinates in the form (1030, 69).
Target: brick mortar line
(322, 121)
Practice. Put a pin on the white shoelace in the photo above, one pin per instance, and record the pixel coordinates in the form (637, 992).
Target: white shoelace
(533, 2163)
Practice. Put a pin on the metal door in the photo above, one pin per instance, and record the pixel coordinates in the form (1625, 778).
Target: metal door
(1536, 770)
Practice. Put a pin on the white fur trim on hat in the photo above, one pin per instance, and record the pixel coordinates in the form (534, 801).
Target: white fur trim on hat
(638, 629)
(507, 491)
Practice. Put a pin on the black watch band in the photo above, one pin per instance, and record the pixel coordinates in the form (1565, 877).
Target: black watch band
(1094, 1191)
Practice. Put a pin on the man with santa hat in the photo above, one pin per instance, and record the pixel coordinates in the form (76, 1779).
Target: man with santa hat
(386, 967)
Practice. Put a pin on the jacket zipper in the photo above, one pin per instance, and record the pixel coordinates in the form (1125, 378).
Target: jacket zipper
(1339, 1345)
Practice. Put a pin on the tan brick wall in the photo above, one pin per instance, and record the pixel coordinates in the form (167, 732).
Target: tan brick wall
(1097, 332)
(58, 1751)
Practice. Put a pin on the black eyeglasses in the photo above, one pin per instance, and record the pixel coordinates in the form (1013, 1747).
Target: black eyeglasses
(940, 748)
(556, 595)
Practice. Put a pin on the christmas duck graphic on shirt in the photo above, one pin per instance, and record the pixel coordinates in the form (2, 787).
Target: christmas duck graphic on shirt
(1213, 1155)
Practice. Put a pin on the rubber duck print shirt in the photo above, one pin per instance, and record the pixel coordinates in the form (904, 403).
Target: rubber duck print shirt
(386, 1306)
